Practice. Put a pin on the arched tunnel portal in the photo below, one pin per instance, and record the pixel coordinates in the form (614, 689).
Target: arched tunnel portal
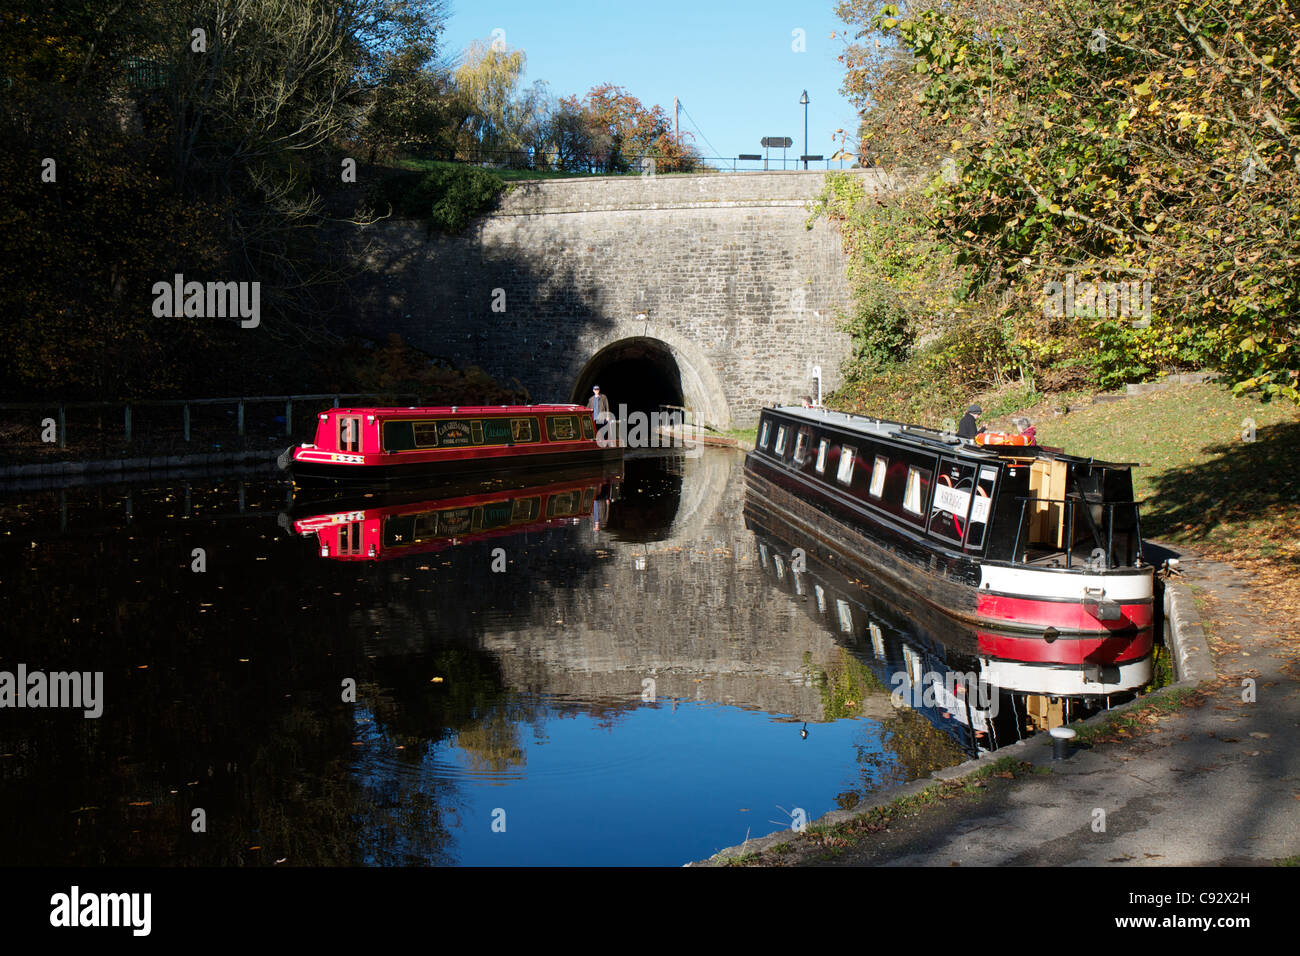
(646, 373)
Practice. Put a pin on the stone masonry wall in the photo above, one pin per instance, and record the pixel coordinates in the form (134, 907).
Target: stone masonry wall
(718, 267)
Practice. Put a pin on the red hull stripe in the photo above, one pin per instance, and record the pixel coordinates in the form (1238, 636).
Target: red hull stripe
(1062, 615)
(1067, 650)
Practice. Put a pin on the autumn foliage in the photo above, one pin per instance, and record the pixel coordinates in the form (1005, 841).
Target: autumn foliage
(1155, 141)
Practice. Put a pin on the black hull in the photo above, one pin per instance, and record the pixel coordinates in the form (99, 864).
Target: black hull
(946, 581)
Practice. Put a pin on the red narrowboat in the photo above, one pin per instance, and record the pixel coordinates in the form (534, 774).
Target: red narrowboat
(391, 529)
(380, 446)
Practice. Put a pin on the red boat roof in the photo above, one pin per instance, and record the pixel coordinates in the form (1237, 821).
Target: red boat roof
(458, 410)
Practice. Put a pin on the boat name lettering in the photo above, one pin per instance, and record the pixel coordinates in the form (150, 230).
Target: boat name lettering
(951, 500)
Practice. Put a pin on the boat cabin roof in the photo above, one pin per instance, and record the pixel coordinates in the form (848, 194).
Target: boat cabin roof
(930, 438)
(424, 411)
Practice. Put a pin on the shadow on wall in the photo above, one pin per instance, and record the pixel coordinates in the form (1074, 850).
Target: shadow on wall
(522, 308)
(470, 303)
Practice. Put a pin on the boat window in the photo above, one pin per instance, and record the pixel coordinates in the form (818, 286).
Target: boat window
(877, 641)
(915, 667)
(523, 430)
(979, 512)
(350, 543)
(588, 428)
(563, 505)
(878, 476)
(845, 473)
(762, 435)
(562, 427)
(402, 530)
(846, 616)
(349, 433)
(497, 514)
(802, 442)
(914, 496)
(822, 447)
(780, 441)
(526, 509)
(952, 500)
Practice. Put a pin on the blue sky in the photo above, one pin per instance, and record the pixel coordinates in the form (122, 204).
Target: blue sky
(730, 62)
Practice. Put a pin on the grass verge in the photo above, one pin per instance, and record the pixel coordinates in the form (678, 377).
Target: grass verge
(834, 839)
(1139, 719)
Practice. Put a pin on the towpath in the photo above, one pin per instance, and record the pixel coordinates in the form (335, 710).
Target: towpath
(1212, 781)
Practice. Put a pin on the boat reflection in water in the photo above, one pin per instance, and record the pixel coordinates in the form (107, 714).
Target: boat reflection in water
(985, 688)
(432, 519)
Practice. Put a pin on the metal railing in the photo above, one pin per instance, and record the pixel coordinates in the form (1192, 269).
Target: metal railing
(128, 410)
(1102, 533)
(634, 164)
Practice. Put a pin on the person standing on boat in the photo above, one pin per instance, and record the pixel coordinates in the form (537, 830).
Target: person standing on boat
(599, 405)
(968, 428)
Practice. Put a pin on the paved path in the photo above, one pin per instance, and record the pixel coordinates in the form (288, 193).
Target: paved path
(1216, 782)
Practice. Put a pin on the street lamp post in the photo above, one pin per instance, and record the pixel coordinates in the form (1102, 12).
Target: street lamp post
(803, 101)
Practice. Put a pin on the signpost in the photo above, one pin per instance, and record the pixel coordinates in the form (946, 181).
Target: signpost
(776, 142)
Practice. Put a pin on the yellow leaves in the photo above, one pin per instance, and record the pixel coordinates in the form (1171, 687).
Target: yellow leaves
(1143, 88)
(1189, 72)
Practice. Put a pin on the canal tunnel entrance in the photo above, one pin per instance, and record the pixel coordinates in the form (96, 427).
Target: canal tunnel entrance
(640, 373)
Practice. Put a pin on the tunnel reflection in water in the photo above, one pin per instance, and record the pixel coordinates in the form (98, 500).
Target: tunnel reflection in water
(471, 689)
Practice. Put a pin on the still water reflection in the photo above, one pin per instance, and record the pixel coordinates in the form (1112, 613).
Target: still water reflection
(590, 672)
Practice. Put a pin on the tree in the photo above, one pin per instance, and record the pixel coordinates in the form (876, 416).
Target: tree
(1150, 142)
(620, 130)
(487, 84)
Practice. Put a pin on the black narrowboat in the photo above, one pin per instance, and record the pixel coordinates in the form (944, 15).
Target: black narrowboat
(1012, 537)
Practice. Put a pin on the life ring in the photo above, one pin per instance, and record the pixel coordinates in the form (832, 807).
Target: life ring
(1000, 438)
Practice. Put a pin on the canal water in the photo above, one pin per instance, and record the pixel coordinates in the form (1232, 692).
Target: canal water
(638, 681)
